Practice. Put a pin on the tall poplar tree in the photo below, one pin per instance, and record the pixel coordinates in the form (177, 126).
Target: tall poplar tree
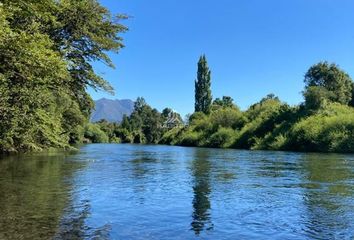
(203, 97)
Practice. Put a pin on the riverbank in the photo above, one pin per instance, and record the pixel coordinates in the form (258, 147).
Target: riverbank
(267, 125)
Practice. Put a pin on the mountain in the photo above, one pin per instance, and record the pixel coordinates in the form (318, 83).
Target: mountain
(112, 110)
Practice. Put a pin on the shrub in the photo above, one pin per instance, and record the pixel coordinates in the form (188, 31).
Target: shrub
(124, 135)
(227, 118)
(190, 138)
(268, 120)
(223, 138)
(270, 142)
(330, 130)
(200, 122)
(171, 137)
(94, 133)
(115, 139)
(138, 137)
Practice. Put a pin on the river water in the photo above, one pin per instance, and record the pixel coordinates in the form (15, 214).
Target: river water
(116, 191)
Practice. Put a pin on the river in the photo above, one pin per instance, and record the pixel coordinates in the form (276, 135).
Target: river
(117, 191)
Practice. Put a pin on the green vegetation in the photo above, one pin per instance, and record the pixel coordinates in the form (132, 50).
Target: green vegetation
(203, 96)
(46, 51)
(144, 125)
(47, 48)
(329, 83)
(324, 122)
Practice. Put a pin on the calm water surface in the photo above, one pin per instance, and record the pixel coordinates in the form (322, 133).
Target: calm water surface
(158, 192)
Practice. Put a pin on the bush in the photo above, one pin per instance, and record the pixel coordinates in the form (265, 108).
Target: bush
(200, 122)
(115, 139)
(196, 116)
(223, 138)
(138, 137)
(316, 97)
(270, 142)
(270, 122)
(227, 118)
(330, 130)
(190, 138)
(124, 135)
(94, 133)
(171, 137)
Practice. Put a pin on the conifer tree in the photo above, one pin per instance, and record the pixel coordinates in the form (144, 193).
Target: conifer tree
(203, 97)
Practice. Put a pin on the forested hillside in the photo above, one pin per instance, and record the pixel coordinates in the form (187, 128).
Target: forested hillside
(47, 48)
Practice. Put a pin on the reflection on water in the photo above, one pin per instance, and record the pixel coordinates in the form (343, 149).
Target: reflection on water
(73, 225)
(201, 170)
(160, 192)
(329, 201)
(34, 192)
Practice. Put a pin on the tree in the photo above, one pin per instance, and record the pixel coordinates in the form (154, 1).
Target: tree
(125, 122)
(139, 104)
(144, 125)
(47, 48)
(95, 134)
(225, 102)
(203, 97)
(166, 113)
(316, 97)
(331, 78)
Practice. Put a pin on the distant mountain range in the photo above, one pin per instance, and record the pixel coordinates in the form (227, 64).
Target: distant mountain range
(112, 110)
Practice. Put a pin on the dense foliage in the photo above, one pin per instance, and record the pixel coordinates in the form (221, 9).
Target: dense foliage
(144, 125)
(328, 82)
(46, 52)
(324, 122)
(47, 48)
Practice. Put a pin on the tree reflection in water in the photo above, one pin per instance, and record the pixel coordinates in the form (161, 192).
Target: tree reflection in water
(34, 191)
(201, 170)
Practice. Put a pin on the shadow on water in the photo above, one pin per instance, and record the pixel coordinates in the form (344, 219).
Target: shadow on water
(201, 171)
(329, 196)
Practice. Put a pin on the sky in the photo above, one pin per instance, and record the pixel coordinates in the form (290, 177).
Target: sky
(253, 48)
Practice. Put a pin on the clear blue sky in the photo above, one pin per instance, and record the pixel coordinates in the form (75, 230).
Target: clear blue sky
(254, 47)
